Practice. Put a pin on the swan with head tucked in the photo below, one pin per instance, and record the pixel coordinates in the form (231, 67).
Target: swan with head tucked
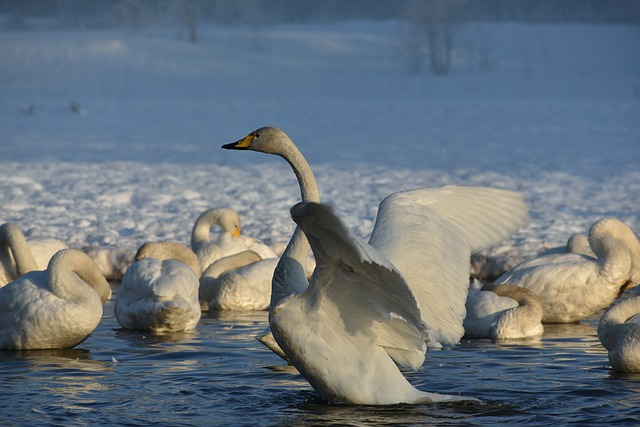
(619, 333)
(56, 308)
(228, 242)
(16, 258)
(502, 312)
(371, 305)
(159, 291)
(572, 286)
(238, 282)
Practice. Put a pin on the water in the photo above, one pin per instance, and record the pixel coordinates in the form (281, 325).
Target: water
(220, 375)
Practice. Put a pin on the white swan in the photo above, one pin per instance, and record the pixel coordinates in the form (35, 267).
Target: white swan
(56, 308)
(619, 333)
(238, 282)
(576, 244)
(228, 242)
(502, 312)
(159, 291)
(16, 258)
(572, 286)
(113, 262)
(368, 305)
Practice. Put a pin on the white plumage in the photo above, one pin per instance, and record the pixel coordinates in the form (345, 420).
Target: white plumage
(159, 292)
(56, 308)
(238, 282)
(572, 286)
(619, 333)
(228, 242)
(502, 312)
(371, 305)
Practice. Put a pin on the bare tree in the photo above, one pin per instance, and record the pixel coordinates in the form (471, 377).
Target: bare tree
(190, 13)
(431, 33)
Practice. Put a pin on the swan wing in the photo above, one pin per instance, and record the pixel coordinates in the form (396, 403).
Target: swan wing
(371, 297)
(428, 234)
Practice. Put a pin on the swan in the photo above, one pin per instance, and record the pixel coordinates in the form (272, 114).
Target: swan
(572, 286)
(238, 282)
(502, 312)
(368, 305)
(56, 308)
(576, 244)
(229, 241)
(16, 258)
(619, 333)
(159, 291)
(113, 262)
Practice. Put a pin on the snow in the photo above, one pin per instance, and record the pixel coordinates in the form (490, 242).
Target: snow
(111, 138)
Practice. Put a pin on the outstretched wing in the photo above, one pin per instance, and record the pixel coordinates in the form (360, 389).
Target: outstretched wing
(428, 234)
(371, 296)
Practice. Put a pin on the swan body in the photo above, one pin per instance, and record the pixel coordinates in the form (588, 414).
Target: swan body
(56, 308)
(16, 257)
(228, 242)
(502, 312)
(572, 286)
(159, 291)
(370, 306)
(238, 282)
(619, 333)
(113, 262)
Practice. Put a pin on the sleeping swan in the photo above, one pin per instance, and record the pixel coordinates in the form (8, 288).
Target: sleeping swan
(238, 282)
(56, 308)
(502, 312)
(370, 305)
(572, 286)
(619, 333)
(159, 291)
(229, 241)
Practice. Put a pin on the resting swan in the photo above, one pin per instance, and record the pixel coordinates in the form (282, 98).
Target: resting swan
(159, 291)
(573, 286)
(238, 282)
(229, 241)
(502, 312)
(56, 308)
(368, 305)
(619, 333)
(16, 258)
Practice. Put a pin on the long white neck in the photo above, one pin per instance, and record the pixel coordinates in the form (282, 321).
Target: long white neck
(74, 276)
(231, 262)
(289, 276)
(15, 253)
(609, 251)
(526, 315)
(201, 232)
(615, 316)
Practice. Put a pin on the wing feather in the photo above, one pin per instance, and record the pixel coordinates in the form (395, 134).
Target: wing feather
(371, 296)
(428, 234)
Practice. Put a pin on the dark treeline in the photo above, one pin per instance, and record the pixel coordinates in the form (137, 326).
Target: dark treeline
(96, 13)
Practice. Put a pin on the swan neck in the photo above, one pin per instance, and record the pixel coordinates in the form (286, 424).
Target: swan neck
(290, 276)
(14, 246)
(201, 231)
(304, 174)
(231, 262)
(616, 315)
(71, 273)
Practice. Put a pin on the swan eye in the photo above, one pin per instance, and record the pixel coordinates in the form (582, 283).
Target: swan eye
(256, 135)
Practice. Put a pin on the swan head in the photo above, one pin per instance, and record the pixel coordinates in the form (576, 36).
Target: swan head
(227, 218)
(267, 139)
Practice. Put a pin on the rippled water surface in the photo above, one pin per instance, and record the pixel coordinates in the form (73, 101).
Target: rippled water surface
(220, 375)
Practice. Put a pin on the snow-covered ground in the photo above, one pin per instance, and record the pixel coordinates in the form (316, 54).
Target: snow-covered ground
(111, 138)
